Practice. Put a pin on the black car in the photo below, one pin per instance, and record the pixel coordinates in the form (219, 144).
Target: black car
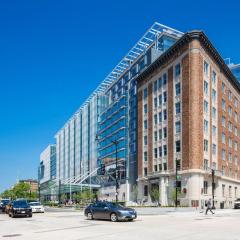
(237, 204)
(19, 208)
(3, 204)
(110, 211)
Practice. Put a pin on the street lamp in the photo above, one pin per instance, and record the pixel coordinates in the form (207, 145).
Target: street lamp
(115, 142)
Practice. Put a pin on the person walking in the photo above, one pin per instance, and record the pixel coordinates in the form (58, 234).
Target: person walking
(209, 207)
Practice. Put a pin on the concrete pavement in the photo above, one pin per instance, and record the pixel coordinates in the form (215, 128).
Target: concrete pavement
(169, 225)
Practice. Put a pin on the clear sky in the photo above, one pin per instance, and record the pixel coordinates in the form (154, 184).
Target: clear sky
(53, 53)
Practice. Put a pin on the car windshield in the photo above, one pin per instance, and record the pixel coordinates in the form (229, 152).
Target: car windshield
(5, 201)
(20, 204)
(115, 205)
(34, 204)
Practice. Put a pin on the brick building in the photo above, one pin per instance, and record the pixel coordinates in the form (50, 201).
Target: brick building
(189, 111)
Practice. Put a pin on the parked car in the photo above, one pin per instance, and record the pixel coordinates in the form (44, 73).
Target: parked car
(3, 204)
(111, 211)
(237, 203)
(20, 208)
(36, 207)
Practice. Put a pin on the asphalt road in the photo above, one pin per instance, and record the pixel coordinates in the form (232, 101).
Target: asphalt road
(66, 224)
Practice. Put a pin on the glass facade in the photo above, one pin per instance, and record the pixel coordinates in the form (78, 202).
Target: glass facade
(236, 71)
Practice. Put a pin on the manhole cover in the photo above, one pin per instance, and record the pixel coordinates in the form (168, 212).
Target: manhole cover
(12, 235)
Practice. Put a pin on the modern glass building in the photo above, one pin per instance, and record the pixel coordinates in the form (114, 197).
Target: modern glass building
(47, 169)
(236, 71)
(110, 114)
(118, 121)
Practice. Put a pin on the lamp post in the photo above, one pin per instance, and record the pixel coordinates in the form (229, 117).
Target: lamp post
(115, 142)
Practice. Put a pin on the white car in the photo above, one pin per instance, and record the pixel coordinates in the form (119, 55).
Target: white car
(36, 207)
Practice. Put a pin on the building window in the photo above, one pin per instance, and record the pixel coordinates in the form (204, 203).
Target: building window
(155, 168)
(165, 132)
(155, 152)
(229, 126)
(206, 126)
(206, 68)
(160, 167)
(223, 154)
(165, 150)
(214, 78)
(160, 151)
(223, 88)
(177, 70)
(214, 149)
(165, 166)
(145, 140)
(230, 111)
(235, 146)
(206, 87)
(214, 131)
(155, 102)
(178, 127)
(165, 114)
(178, 146)
(205, 144)
(145, 156)
(205, 187)
(145, 109)
(235, 102)
(235, 131)
(155, 136)
(205, 106)
(165, 97)
(155, 119)
(164, 79)
(145, 190)
(177, 89)
(230, 142)
(223, 104)
(160, 100)
(235, 117)
(160, 117)
(155, 86)
(145, 171)
(159, 83)
(223, 190)
(214, 113)
(178, 107)
(235, 192)
(223, 121)
(214, 96)
(223, 138)
(205, 164)
(229, 95)
(230, 157)
(145, 124)
(160, 134)
(145, 93)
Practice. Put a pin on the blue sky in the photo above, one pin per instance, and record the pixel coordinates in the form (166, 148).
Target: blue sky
(54, 53)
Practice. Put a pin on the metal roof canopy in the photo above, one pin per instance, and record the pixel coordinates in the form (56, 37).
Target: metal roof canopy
(137, 50)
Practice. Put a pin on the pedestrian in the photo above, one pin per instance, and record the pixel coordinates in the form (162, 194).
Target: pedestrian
(209, 207)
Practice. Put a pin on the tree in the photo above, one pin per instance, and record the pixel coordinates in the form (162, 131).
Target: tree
(8, 194)
(173, 195)
(155, 194)
(22, 190)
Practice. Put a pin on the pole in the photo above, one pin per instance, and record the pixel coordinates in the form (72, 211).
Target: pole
(176, 197)
(116, 171)
(213, 188)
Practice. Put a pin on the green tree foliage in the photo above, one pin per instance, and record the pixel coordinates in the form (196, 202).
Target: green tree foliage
(155, 194)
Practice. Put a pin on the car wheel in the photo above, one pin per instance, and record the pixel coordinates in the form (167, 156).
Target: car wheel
(30, 215)
(130, 220)
(90, 216)
(113, 217)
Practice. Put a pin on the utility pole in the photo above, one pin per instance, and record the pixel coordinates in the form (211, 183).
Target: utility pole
(116, 168)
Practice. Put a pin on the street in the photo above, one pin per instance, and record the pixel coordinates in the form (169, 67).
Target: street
(69, 224)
